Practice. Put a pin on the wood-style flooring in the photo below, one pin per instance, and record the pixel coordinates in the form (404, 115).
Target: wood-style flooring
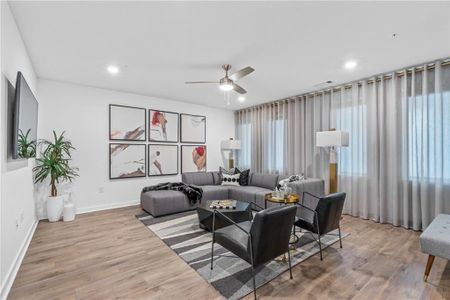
(111, 255)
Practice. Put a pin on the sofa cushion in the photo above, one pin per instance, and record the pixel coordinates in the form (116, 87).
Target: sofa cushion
(163, 202)
(198, 178)
(268, 181)
(246, 193)
(214, 192)
(216, 178)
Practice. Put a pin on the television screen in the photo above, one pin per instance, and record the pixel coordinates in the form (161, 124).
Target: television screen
(25, 120)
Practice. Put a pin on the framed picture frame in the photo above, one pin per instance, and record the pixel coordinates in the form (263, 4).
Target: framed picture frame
(193, 158)
(193, 129)
(127, 160)
(163, 126)
(127, 123)
(162, 160)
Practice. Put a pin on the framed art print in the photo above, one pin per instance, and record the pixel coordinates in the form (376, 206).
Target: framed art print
(162, 160)
(193, 158)
(127, 123)
(126, 160)
(163, 126)
(193, 128)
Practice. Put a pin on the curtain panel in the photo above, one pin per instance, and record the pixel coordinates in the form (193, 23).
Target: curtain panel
(397, 167)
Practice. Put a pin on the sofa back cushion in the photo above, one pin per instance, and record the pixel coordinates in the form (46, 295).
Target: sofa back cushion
(198, 178)
(264, 180)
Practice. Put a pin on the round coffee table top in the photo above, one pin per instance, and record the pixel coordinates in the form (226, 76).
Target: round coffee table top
(289, 199)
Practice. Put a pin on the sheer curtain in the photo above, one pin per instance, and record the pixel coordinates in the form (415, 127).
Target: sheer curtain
(397, 167)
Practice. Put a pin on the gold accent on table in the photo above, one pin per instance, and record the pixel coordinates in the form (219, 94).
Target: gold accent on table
(289, 199)
(333, 178)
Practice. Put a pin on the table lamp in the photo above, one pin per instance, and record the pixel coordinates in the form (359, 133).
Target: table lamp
(231, 145)
(332, 139)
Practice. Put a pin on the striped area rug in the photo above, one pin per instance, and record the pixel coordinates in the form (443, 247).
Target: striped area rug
(231, 276)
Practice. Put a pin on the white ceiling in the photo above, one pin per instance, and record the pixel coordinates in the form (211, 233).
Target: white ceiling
(293, 46)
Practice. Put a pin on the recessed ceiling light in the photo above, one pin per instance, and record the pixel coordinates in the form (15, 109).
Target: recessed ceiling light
(241, 98)
(113, 69)
(351, 64)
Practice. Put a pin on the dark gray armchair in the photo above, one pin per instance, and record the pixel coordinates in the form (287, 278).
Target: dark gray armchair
(320, 215)
(257, 241)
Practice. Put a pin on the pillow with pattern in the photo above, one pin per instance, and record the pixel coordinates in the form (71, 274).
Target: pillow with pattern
(231, 179)
(222, 171)
(245, 174)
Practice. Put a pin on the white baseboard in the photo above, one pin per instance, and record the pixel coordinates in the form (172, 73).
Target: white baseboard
(12, 272)
(84, 210)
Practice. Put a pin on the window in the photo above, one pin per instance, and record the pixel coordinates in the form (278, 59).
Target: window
(275, 146)
(428, 127)
(353, 159)
(245, 136)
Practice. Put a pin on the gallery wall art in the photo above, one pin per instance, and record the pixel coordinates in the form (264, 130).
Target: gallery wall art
(127, 123)
(162, 160)
(193, 158)
(127, 160)
(193, 128)
(163, 126)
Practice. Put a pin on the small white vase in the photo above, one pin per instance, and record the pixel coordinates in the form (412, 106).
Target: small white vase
(69, 212)
(55, 208)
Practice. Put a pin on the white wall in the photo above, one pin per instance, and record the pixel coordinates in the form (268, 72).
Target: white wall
(18, 214)
(83, 112)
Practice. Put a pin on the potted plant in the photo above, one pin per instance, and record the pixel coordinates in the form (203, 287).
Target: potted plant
(26, 147)
(54, 163)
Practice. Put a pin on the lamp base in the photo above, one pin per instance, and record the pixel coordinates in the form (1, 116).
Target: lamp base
(333, 178)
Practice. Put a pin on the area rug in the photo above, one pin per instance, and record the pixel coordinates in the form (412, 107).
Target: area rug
(231, 276)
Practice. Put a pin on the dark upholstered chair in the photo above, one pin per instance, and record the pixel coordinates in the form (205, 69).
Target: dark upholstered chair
(320, 215)
(260, 240)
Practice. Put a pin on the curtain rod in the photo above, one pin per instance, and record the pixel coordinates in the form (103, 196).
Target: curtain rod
(378, 78)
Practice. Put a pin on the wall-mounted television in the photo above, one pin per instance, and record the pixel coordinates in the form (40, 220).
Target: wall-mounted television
(25, 120)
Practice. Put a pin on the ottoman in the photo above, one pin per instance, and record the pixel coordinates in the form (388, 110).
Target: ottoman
(435, 241)
(164, 202)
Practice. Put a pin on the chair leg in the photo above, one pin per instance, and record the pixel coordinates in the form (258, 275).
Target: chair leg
(290, 267)
(340, 239)
(320, 247)
(428, 267)
(254, 284)
(212, 253)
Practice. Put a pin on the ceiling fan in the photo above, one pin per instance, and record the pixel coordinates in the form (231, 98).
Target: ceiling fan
(227, 83)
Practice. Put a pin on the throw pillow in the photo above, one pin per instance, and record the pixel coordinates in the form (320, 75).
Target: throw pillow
(222, 171)
(231, 179)
(245, 174)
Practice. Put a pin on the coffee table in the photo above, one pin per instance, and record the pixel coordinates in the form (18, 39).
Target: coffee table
(242, 213)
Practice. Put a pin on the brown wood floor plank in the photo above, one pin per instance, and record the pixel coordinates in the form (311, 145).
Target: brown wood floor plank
(111, 255)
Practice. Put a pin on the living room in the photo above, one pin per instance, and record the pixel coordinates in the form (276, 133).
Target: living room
(225, 150)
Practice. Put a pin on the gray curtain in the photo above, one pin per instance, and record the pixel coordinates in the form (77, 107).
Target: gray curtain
(397, 167)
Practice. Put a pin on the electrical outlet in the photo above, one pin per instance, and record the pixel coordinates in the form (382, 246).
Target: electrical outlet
(101, 190)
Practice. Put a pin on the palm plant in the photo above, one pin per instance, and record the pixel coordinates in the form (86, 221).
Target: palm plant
(55, 162)
(26, 148)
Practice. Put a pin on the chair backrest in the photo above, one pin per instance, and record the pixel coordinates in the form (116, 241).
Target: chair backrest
(329, 210)
(271, 230)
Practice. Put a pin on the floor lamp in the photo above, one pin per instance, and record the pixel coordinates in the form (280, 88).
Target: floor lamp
(332, 139)
(231, 145)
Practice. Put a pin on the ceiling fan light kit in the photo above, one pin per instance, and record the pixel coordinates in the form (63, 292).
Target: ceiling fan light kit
(227, 83)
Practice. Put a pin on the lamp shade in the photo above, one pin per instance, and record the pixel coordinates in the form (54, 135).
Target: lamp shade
(332, 138)
(231, 145)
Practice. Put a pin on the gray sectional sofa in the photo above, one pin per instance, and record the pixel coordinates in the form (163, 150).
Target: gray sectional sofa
(160, 203)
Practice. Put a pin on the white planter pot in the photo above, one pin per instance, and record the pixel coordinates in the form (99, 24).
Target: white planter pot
(55, 208)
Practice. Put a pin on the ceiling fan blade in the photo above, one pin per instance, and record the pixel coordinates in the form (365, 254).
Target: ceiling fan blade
(194, 82)
(241, 73)
(239, 89)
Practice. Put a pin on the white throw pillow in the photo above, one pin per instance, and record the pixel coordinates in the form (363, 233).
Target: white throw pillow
(231, 179)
